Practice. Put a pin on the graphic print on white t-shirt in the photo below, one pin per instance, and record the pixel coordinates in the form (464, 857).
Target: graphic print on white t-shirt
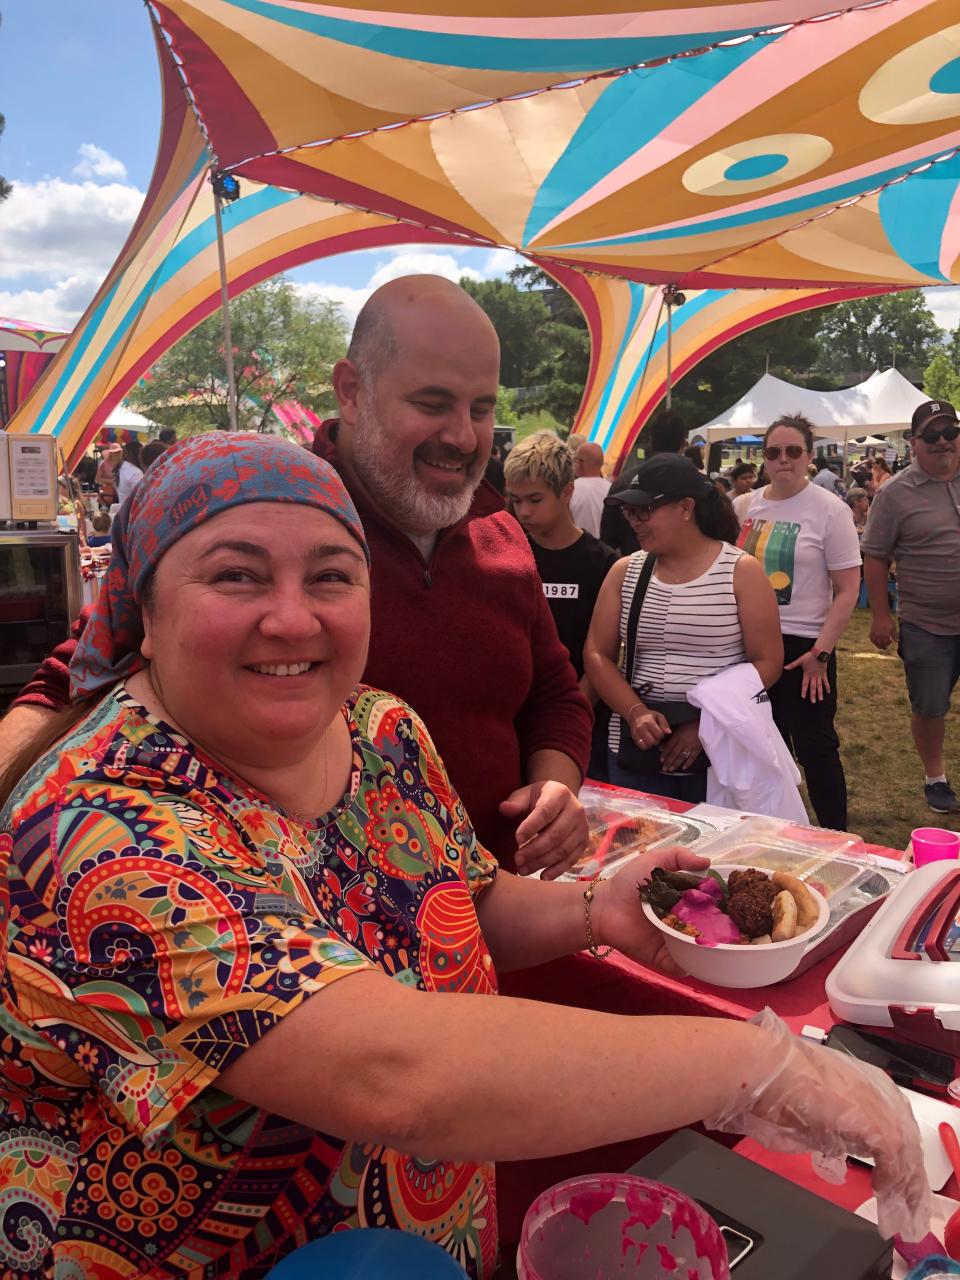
(774, 544)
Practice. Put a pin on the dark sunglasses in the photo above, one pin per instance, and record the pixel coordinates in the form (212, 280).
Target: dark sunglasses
(773, 451)
(642, 513)
(945, 433)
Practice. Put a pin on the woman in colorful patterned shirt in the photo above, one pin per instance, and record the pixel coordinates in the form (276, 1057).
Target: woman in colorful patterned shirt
(231, 826)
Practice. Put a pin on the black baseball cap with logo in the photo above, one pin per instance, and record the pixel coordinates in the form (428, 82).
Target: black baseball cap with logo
(931, 411)
(666, 477)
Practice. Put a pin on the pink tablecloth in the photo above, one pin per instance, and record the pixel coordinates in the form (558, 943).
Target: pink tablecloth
(619, 985)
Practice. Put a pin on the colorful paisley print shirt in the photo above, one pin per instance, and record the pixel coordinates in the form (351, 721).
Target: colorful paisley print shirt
(157, 917)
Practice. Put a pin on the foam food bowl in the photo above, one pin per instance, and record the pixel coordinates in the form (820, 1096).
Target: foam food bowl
(737, 964)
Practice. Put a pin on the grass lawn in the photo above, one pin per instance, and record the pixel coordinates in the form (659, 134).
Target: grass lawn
(884, 774)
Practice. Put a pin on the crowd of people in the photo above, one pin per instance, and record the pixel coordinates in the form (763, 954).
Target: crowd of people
(329, 712)
(99, 486)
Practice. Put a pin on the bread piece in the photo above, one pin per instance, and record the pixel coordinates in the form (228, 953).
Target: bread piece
(808, 911)
(784, 917)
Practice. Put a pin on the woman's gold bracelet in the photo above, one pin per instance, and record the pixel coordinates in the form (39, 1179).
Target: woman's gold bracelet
(587, 900)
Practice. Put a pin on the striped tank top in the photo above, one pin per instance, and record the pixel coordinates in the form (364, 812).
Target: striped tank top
(686, 631)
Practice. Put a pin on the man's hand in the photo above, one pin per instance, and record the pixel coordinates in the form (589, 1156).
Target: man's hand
(815, 683)
(618, 919)
(554, 832)
(883, 630)
(681, 748)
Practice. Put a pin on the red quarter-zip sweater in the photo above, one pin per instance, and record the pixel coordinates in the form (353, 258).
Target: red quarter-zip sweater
(468, 640)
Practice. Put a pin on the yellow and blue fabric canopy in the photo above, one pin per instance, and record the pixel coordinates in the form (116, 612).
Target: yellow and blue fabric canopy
(723, 146)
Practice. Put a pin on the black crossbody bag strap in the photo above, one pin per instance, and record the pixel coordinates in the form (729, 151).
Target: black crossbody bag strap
(636, 604)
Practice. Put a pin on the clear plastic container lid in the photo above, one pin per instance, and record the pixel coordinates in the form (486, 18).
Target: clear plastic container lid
(870, 977)
(827, 860)
(624, 835)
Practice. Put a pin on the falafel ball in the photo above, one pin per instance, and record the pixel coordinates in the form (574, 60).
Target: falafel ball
(750, 876)
(751, 909)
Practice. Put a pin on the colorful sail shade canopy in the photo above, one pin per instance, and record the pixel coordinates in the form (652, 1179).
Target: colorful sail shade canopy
(27, 350)
(722, 146)
(166, 279)
(668, 142)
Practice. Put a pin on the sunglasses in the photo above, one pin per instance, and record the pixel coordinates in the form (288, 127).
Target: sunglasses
(643, 513)
(773, 451)
(945, 433)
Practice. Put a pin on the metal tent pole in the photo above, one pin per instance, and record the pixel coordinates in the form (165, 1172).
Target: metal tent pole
(225, 309)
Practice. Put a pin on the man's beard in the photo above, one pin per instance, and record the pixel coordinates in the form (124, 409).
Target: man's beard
(387, 473)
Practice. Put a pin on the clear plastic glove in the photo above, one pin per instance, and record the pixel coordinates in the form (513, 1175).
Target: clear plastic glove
(818, 1100)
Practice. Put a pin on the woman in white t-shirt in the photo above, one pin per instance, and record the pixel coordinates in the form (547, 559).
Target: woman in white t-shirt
(805, 538)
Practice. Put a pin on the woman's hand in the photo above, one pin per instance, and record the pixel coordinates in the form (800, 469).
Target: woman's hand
(647, 728)
(681, 748)
(617, 913)
(805, 1097)
(815, 684)
(554, 832)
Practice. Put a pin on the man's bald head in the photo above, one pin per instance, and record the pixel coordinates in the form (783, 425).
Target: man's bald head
(417, 394)
(406, 307)
(589, 460)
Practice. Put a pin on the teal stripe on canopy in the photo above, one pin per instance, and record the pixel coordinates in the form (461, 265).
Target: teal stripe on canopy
(489, 53)
(199, 239)
(914, 215)
(800, 204)
(633, 110)
(680, 317)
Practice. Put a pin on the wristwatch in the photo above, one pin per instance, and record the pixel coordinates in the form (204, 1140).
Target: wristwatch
(823, 656)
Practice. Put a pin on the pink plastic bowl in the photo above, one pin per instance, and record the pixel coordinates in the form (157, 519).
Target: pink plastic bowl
(614, 1224)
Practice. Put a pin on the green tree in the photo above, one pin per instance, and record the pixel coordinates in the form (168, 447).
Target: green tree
(5, 187)
(519, 318)
(505, 412)
(786, 348)
(941, 381)
(556, 383)
(284, 348)
(872, 333)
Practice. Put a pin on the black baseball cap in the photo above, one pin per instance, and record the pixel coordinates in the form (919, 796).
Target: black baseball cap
(666, 477)
(929, 412)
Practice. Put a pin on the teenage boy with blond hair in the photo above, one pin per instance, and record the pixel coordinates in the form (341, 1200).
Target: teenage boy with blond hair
(572, 563)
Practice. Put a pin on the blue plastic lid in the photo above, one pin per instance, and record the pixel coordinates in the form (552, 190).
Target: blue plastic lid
(367, 1254)
(936, 1268)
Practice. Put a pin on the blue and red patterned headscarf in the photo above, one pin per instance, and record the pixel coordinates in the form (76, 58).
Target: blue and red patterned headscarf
(188, 484)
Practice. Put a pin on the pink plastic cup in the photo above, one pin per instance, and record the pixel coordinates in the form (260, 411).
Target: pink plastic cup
(614, 1224)
(933, 844)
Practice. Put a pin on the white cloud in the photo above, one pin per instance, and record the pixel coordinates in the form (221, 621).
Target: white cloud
(60, 305)
(413, 264)
(350, 300)
(945, 305)
(60, 229)
(501, 261)
(94, 162)
(406, 263)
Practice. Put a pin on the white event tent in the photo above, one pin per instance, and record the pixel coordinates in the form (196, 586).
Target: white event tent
(884, 403)
(123, 418)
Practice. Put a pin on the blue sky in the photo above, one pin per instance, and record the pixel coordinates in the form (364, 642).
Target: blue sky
(80, 92)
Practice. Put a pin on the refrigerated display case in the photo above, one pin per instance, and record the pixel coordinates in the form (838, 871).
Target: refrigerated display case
(39, 598)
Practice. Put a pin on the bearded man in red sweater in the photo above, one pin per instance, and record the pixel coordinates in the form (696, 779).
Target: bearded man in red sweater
(460, 625)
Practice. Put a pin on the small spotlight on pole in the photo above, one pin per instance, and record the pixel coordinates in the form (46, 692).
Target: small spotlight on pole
(225, 186)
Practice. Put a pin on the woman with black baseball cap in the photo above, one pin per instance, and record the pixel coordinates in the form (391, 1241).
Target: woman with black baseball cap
(687, 605)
